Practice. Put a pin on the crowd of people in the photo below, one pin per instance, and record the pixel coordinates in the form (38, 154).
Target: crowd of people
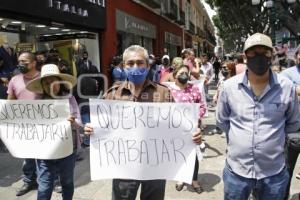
(257, 111)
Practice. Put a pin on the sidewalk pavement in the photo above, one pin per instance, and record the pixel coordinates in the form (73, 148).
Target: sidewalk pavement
(210, 175)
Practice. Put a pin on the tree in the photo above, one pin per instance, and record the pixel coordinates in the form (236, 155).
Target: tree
(237, 19)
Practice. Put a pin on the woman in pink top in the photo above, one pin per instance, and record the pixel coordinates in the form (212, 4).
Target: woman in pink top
(184, 92)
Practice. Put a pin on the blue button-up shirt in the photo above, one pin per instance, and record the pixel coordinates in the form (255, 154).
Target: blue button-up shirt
(256, 127)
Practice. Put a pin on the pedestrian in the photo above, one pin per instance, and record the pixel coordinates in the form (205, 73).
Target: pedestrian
(139, 89)
(240, 66)
(41, 59)
(52, 85)
(217, 66)
(17, 90)
(118, 72)
(227, 70)
(164, 70)
(153, 67)
(293, 74)
(188, 56)
(256, 110)
(176, 62)
(208, 72)
(184, 92)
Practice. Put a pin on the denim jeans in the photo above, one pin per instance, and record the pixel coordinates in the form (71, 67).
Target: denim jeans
(47, 172)
(85, 117)
(127, 189)
(291, 160)
(239, 188)
(29, 171)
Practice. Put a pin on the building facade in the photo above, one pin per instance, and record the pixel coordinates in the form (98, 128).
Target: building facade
(106, 28)
(161, 26)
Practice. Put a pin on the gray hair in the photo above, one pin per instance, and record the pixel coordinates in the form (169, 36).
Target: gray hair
(136, 48)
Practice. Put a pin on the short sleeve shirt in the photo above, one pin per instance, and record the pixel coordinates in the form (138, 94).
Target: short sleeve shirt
(17, 87)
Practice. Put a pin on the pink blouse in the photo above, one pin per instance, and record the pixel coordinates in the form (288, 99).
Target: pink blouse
(191, 94)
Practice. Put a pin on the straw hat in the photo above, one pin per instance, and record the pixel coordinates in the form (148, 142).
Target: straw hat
(50, 70)
(258, 39)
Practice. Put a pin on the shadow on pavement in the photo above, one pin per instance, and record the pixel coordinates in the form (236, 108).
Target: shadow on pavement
(295, 196)
(214, 150)
(10, 169)
(82, 174)
(207, 181)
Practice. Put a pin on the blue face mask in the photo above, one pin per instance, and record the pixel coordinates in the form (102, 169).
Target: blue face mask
(137, 75)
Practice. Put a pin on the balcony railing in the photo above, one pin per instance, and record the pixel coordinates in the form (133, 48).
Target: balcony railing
(181, 18)
(171, 10)
(152, 3)
(191, 28)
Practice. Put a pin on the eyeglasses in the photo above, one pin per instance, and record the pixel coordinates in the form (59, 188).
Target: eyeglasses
(137, 62)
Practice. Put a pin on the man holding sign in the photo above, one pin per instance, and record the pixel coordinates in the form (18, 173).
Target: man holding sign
(137, 89)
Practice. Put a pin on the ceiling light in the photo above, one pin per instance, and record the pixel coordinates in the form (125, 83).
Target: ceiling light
(40, 26)
(23, 27)
(53, 28)
(16, 22)
(65, 30)
(83, 32)
(1, 19)
(47, 35)
(4, 25)
(58, 34)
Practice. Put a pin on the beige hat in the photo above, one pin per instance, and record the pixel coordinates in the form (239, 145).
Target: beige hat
(50, 70)
(258, 39)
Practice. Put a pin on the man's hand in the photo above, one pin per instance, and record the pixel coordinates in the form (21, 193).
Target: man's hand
(71, 119)
(88, 129)
(197, 137)
(4, 81)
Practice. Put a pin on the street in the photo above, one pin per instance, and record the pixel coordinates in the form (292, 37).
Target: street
(210, 175)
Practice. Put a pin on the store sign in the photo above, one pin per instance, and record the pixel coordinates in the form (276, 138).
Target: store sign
(172, 39)
(131, 24)
(48, 38)
(88, 13)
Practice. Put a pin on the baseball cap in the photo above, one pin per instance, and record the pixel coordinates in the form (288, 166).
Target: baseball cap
(165, 57)
(258, 39)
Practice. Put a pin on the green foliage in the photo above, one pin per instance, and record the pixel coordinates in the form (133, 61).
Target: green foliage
(237, 19)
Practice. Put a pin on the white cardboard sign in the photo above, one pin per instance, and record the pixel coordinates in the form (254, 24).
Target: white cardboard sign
(36, 128)
(142, 141)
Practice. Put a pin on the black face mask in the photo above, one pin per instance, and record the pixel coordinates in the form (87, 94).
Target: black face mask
(259, 64)
(183, 78)
(23, 68)
(225, 73)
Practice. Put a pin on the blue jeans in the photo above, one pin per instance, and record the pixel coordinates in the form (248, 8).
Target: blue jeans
(47, 172)
(29, 171)
(270, 188)
(85, 118)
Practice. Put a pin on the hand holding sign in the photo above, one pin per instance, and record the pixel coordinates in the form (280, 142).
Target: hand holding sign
(88, 129)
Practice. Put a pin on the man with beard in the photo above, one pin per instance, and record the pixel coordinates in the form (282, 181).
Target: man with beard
(256, 110)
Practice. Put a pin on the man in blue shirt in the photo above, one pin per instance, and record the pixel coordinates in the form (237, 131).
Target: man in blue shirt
(293, 74)
(256, 109)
